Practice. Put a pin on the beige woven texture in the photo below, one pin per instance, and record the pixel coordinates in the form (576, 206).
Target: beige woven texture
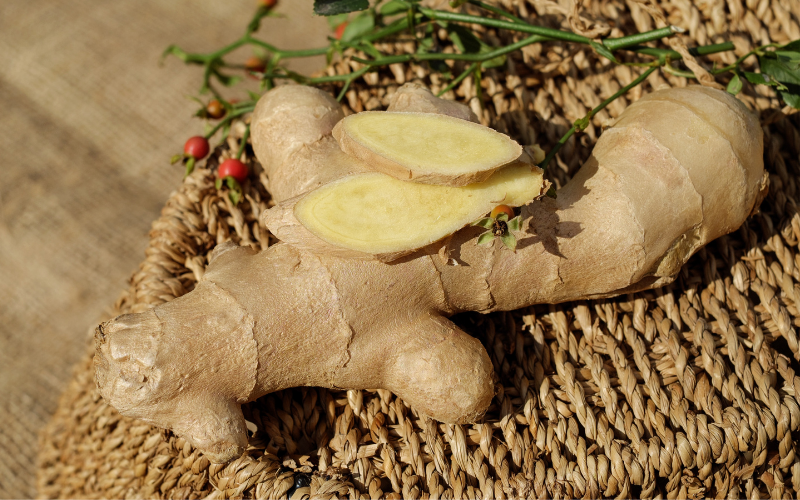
(89, 122)
(686, 391)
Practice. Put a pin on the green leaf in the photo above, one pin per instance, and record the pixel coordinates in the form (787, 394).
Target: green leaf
(735, 85)
(603, 51)
(218, 184)
(476, 78)
(509, 241)
(502, 217)
(333, 7)
(370, 49)
(786, 71)
(782, 69)
(495, 62)
(464, 39)
(792, 100)
(393, 7)
(176, 158)
(256, 22)
(788, 54)
(792, 46)
(757, 78)
(329, 54)
(235, 197)
(425, 45)
(232, 183)
(253, 95)
(551, 193)
(358, 27)
(486, 222)
(485, 238)
(515, 223)
(466, 42)
(174, 50)
(442, 68)
(227, 80)
(226, 129)
(335, 21)
(189, 166)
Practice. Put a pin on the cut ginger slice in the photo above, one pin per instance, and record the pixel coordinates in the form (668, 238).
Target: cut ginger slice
(425, 147)
(374, 216)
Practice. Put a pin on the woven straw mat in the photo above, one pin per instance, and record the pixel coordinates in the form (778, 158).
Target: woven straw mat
(686, 391)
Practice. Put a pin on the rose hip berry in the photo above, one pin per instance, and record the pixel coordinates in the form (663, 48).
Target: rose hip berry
(254, 63)
(215, 109)
(269, 3)
(233, 168)
(502, 209)
(339, 31)
(196, 147)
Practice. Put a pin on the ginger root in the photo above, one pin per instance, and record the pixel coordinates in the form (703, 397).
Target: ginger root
(680, 168)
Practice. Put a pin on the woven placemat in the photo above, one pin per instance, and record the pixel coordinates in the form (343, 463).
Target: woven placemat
(686, 391)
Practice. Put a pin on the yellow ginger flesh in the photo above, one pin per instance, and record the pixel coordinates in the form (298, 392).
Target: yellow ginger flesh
(431, 148)
(375, 213)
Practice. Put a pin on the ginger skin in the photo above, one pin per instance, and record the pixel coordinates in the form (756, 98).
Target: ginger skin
(680, 168)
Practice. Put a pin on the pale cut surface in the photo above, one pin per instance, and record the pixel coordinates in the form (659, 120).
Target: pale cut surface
(426, 147)
(377, 214)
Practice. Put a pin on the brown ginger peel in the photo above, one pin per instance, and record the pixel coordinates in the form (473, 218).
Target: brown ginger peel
(680, 168)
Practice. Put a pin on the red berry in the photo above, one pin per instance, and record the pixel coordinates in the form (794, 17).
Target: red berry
(233, 168)
(269, 3)
(339, 31)
(196, 147)
(502, 209)
(215, 109)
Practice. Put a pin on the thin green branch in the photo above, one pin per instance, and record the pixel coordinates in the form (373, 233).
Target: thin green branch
(228, 119)
(440, 56)
(244, 142)
(703, 50)
(581, 124)
(756, 51)
(285, 54)
(639, 38)
(551, 33)
(678, 72)
(495, 10)
(392, 29)
(348, 81)
(416, 16)
(458, 79)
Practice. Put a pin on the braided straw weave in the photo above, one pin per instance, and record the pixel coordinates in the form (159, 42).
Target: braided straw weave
(687, 391)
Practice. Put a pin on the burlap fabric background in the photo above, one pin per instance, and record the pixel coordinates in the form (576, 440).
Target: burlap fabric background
(88, 124)
(687, 391)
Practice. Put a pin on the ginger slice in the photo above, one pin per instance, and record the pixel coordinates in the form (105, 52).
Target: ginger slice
(426, 147)
(375, 216)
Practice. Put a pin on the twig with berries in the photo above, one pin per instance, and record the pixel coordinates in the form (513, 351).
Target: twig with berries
(388, 19)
